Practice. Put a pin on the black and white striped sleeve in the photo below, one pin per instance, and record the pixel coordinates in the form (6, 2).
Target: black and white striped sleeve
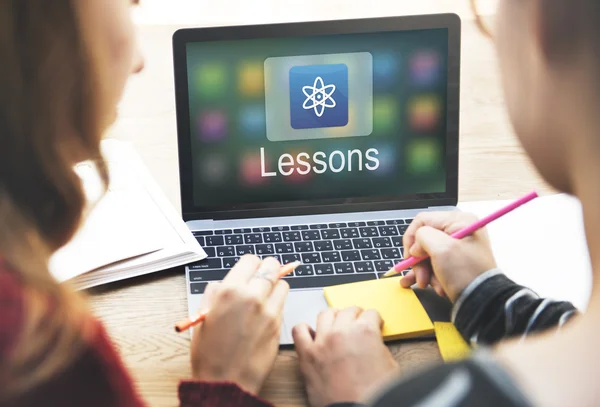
(493, 307)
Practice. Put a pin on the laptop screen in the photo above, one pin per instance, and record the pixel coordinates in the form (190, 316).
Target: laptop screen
(317, 118)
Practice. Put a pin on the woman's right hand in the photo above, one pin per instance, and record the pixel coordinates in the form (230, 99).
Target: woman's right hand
(239, 339)
(453, 263)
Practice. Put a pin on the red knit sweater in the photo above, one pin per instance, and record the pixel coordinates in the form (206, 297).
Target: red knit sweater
(98, 377)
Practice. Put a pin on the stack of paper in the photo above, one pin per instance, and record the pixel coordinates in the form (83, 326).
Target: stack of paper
(133, 229)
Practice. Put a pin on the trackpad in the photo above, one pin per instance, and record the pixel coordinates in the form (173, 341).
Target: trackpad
(301, 307)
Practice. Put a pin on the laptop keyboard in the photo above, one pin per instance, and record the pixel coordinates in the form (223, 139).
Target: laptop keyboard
(334, 253)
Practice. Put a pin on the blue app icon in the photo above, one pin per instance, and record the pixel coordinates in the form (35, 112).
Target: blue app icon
(319, 96)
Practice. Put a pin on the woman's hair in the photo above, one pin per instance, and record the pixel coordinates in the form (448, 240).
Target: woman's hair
(573, 26)
(50, 119)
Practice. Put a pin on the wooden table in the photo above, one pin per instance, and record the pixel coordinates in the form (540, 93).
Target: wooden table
(140, 313)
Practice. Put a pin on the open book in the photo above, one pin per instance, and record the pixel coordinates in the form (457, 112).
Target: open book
(132, 230)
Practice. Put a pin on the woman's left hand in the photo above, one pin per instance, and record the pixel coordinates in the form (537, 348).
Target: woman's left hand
(345, 359)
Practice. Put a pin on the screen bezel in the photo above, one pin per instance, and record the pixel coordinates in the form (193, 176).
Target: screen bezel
(371, 25)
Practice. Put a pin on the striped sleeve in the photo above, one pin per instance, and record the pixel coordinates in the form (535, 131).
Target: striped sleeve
(493, 307)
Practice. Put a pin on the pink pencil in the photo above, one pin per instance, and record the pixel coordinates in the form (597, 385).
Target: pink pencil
(411, 261)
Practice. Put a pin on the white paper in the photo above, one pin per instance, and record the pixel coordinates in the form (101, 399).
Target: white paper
(542, 245)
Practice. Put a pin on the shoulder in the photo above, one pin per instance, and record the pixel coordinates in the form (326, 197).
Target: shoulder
(11, 308)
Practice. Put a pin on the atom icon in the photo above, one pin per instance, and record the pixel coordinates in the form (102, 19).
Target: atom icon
(318, 96)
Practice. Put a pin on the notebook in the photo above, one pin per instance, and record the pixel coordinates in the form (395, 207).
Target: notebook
(403, 315)
(130, 231)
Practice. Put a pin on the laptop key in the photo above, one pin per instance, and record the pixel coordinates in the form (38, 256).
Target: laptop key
(210, 275)
(261, 230)
(337, 225)
(323, 269)
(370, 254)
(244, 230)
(290, 258)
(368, 232)
(215, 241)
(229, 262)
(210, 251)
(331, 257)
(300, 227)
(356, 224)
(198, 288)
(319, 226)
(375, 223)
(402, 229)
(323, 245)
(206, 264)
(350, 255)
(390, 254)
(253, 238)
(349, 233)
(223, 251)
(383, 265)
(291, 236)
(345, 244)
(343, 268)
(273, 237)
(303, 247)
(234, 239)
(382, 242)
(397, 241)
(304, 270)
(364, 267)
(263, 249)
(311, 235)
(408, 221)
(200, 240)
(330, 234)
(280, 228)
(388, 231)
(223, 232)
(275, 256)
(311, 258)
(244, 249)
(362, 243)
(395, 222)
(327, 281)
(284, 248)
(203, 233)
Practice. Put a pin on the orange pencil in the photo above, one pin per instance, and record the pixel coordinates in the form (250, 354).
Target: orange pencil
(190, 322)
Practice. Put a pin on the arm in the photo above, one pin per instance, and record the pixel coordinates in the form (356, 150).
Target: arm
(195, 394)
(493, 307)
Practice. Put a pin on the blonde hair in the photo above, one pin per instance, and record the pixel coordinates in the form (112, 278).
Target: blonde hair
(50, 119)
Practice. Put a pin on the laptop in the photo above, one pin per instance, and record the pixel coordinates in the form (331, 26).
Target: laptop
(314, 141)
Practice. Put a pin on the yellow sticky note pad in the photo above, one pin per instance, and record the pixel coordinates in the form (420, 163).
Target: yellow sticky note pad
(402, 312)
(451, 343)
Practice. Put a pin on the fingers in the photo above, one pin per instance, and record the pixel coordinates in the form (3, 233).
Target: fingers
(346, 316)
(422, 275)
(432, 241)
(276, 301)
(437, 286)
(448, 222)
(372, 318)
(244, 269)
(302, 337)
(325, 320)
(408, 280)
(208, 296)
(263, 282)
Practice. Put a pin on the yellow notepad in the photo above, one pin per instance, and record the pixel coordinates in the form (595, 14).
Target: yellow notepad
(451, 343)
(403, 315)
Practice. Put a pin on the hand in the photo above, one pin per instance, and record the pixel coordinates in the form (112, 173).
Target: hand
(345, 359)
(453, 263)
(239, 339)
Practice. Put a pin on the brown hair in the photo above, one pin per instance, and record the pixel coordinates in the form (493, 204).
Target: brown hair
(50, 105)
